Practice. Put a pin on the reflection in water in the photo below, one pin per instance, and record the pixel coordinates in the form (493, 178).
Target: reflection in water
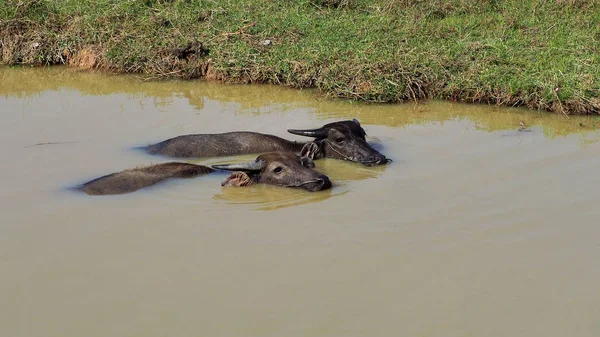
(194, 98)
(266, 197)
(343, 171)
(260, 99)
(584, 141)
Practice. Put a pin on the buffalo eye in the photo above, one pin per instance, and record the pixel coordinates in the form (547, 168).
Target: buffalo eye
(277, 170)
(339, 140)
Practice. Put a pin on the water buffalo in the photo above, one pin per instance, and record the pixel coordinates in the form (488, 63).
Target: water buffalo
(278, 168)
(343, 140)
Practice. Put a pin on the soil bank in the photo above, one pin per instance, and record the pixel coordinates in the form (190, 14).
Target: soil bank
(542, 55)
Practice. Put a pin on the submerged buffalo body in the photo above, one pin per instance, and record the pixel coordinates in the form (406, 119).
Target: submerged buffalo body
(343, 140)
(222, 144)
(131, 180)
(279, 168)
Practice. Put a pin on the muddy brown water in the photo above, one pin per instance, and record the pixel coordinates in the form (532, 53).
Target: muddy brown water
(475, 229)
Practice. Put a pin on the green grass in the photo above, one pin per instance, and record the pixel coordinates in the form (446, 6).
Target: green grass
(539, 54)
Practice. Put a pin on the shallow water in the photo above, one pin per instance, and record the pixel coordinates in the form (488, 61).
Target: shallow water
(475, 229)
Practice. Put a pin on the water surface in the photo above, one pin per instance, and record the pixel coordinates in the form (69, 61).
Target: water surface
(475, 229)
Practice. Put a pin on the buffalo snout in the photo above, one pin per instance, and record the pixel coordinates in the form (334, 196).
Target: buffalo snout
(320, 183)
(377, 159)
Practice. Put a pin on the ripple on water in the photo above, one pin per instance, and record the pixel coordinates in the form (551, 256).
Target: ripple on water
(265, 197)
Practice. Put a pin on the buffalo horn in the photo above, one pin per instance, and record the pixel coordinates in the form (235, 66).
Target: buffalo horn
(316, 133)
(256, 165)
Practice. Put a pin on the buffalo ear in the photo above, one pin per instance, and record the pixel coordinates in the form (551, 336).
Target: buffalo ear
(307, 162)
(358, 123)
(238, 179)
(309, 150)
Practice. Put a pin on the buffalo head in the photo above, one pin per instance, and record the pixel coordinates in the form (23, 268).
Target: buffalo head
(341, 140)
(277, 168)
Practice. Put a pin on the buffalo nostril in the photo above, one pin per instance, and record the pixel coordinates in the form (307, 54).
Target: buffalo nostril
(375, 159)
(324, 182)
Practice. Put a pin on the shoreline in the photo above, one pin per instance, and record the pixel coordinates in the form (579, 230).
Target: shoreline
(382, 51)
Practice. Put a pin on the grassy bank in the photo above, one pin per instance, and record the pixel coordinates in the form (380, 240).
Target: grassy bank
(540, 54)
